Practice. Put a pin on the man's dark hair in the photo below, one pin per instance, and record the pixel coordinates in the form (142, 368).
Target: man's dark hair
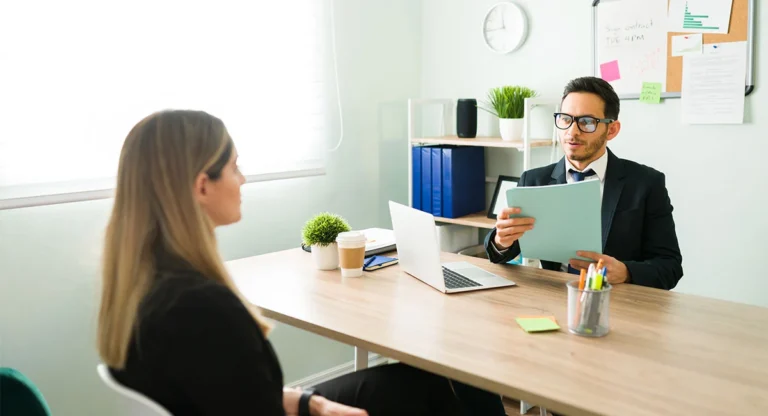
(599, 87)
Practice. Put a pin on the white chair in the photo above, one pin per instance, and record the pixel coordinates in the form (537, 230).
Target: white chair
(138, 403)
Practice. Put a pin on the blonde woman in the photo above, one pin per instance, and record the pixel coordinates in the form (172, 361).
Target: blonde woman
(174, 327)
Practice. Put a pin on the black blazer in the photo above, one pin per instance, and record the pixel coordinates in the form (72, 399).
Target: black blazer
(637, 224)
(197, 351)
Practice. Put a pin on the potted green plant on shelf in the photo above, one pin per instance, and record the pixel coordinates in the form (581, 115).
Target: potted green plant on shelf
(508, 104)
(320, 234)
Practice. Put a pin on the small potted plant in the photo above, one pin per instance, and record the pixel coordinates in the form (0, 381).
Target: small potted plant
(320, 233)
(508, 104)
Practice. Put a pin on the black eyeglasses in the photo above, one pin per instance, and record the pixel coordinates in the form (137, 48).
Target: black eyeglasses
(586, 124)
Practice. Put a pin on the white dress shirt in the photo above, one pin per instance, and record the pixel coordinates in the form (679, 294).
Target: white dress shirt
(599, 166)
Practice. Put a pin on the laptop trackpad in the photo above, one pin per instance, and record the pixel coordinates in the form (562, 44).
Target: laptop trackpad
(469, 271)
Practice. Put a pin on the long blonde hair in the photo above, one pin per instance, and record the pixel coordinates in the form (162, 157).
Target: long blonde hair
(154, 204)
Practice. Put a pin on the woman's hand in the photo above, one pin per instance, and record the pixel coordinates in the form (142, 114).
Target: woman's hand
(318, 406)
(291, 401)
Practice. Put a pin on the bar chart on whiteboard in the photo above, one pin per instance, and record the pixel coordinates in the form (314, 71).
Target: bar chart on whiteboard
(700, 16)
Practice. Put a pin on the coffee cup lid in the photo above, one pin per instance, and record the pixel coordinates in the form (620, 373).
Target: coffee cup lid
(351, 237)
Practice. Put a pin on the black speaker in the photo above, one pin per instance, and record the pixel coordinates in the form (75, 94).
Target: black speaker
(466, 118)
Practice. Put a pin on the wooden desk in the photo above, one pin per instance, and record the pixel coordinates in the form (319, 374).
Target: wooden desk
(667, 353)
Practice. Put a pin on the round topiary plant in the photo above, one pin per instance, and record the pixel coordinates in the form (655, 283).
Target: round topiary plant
(323, 229)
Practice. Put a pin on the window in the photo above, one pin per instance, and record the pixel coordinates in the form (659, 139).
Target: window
(78, 74)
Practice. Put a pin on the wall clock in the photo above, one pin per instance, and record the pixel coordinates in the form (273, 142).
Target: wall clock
(505, 27)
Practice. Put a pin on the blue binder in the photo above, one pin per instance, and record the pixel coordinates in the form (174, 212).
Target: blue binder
(416, 177)
(426, 179)
(463, 184)
(437, 178)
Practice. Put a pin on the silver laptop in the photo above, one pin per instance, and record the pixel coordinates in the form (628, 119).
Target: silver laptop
(419, 255)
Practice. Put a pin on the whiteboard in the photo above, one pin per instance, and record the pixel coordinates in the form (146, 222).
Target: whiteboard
(630, 44)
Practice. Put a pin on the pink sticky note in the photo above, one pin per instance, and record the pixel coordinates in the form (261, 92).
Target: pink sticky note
(610, 71)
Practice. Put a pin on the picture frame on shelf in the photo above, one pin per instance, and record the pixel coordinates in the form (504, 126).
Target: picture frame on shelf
(499, 200)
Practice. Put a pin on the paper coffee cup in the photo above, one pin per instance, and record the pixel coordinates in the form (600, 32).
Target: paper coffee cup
(351, 253)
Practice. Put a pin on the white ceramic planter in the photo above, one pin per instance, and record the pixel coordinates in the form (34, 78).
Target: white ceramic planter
(511, 128)
(326, 257)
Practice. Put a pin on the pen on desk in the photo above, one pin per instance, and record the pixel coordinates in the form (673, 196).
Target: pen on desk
(368, 261)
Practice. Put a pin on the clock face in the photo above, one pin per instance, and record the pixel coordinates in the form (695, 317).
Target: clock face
(505, 27)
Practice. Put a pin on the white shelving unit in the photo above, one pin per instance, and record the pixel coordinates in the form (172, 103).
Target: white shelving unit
(525, 145)
(480, 219)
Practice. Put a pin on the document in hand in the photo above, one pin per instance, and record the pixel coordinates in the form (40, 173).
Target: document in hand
(567, 219)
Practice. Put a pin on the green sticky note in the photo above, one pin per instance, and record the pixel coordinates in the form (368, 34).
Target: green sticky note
(537, 324)
(651, 93)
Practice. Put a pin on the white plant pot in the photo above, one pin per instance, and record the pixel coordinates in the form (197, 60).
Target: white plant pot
(326, 257)
(511, 128)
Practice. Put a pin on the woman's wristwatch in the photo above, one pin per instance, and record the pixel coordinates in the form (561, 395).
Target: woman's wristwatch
(304, 401)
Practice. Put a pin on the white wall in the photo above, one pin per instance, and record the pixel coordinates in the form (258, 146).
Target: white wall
(714, 173)
(390, 51)
(49, 256)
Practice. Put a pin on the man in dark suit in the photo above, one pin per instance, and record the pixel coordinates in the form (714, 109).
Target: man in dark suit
(639, 241)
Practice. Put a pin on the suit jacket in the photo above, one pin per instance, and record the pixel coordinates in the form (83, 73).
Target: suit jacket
(637, 224)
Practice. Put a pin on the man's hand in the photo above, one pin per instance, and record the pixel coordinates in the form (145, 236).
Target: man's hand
(615, 270)
(509, 230)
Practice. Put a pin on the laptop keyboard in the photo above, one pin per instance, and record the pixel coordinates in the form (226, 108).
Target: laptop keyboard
(454, 280)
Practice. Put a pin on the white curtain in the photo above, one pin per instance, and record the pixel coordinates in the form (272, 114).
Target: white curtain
(76, 75)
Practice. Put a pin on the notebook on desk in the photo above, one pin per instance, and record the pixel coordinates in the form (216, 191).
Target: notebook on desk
(378, 241)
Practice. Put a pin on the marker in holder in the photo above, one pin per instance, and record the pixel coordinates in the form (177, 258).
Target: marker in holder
(588, 309)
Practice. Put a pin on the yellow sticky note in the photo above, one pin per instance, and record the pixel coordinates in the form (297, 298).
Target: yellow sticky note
(651, 93)
(550, 317)
(537, 324)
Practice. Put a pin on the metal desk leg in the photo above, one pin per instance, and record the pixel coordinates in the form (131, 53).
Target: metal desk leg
(361, 359)
(525, 407)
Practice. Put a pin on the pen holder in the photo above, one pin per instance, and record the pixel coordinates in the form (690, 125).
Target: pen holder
(588, 310)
